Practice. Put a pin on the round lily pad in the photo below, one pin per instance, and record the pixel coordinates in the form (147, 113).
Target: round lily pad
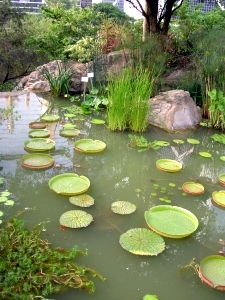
(205, 154)
(83, 200)
(142, 241)
(193, 141)
(39, 144)
(123, 207)
(162, 143)
(75, 219)
(1, 213)
(37, 125)
(97, 121)
(222, 158)
(212, 271)
(219, 197)
(50, 118)
(37, 161)
(168, 165)
(89, 145)
(9, 202)
(70, 115)
(39, 133)
(67, 132)
(69, 184)
(179, 142)
(193, 188)
(222, 179)
(171, 221)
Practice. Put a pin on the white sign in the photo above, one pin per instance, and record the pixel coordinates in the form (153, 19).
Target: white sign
(84, 79)
(90, 74)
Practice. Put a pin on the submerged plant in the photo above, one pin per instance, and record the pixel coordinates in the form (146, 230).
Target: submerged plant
(30, 268)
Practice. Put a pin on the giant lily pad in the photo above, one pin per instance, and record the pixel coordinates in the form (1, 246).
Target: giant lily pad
(39, 133)
(50, 118)
(222, 179)
(123, 207)
(193, 188)
(171, 221)
(142, 241)
(39, 144)
(89, 145)
(69, 184)
(37, 125)
(69, 132)
(168, 165)
(75, 219)
(212, 271)
(219, 198)
(83, 200)
(37, 161)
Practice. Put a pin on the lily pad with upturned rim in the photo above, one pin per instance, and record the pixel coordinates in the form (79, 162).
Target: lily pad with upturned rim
(82, 200)
(39, 133)
(39, 144)
(168, 165)
(193, 188)
(37, 125)
(123, 207)
(37, 161)
(89, 145)
(69, 184)
(222, 179)
(171, 221)
(212, 271)
(219, 197)
(69, 132)
(75, 219)
(142, 241)
(50, 118)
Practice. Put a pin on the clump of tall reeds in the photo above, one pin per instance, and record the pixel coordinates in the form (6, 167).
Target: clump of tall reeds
(128, 94)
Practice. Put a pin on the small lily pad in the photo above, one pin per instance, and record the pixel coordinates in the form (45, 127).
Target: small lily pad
(1, 213)
(75, 219)
(97, 121)
(222, 158)
(0, 221)
(123, 207)
(3, 199)
(205, 154)
(9, 202)
(5, 194)
(172, 184)
(162, 143)
(142, 241)
(82, 200)
(153, 194)
(179, 142)
(70, 115)
(150, 297)
(137, 190)
(193, 141)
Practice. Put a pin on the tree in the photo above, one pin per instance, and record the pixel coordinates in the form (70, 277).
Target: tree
(157, 17)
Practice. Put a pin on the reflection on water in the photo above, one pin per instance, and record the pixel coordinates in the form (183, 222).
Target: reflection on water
(115, 174)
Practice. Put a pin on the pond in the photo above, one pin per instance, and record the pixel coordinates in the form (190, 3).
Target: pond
(117, 173)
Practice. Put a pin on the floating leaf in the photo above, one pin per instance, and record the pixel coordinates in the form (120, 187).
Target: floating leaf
(162, 199)
(1, 213)
(150, 297)
(9, 202)
(193, 188)
(172, 184)
(141, 241)
(37, 125)
(39, 144)
(167, 201)
(222, 178)
(219, 197)
(37, 161)
(69, 184)
(39, 133)
(163, 188)
(179, 142)
(168, 165)
(89, 145)
(155, 185)
(205, 154)
(184, 194)
(212, 271)
(171, 221)
(153, 194)
(220, 138)
(3, 199)
(5, 194)
(69, 132)
(193, 141)
(69, 115)
(123, 207)
(0, 221)
(97, 121)
(83, 200)
(50, 118)
(75, 219)
(69, 126)
(137, 190)
(222, 158)
(162, 143)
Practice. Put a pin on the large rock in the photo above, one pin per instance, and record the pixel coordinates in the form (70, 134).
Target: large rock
(36, 82)
(173, 110)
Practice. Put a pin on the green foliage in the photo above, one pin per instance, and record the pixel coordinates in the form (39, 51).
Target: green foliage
(216, 109)
(140, 142)
(59, 83)
(129, 94)
(30, 268)
(94, 101)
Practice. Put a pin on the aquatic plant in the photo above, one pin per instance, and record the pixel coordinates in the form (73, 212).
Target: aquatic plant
(137, 141)
(220, 138)
(30, 268)
(216, 108)
(59, 83)
(129, 93)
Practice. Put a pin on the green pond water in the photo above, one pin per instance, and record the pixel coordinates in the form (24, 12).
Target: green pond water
(116, 174)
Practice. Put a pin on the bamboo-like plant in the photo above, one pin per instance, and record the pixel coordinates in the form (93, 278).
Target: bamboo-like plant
(129, 94)
(60, 82)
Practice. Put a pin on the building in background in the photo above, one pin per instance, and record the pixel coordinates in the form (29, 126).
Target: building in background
(118, 3)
